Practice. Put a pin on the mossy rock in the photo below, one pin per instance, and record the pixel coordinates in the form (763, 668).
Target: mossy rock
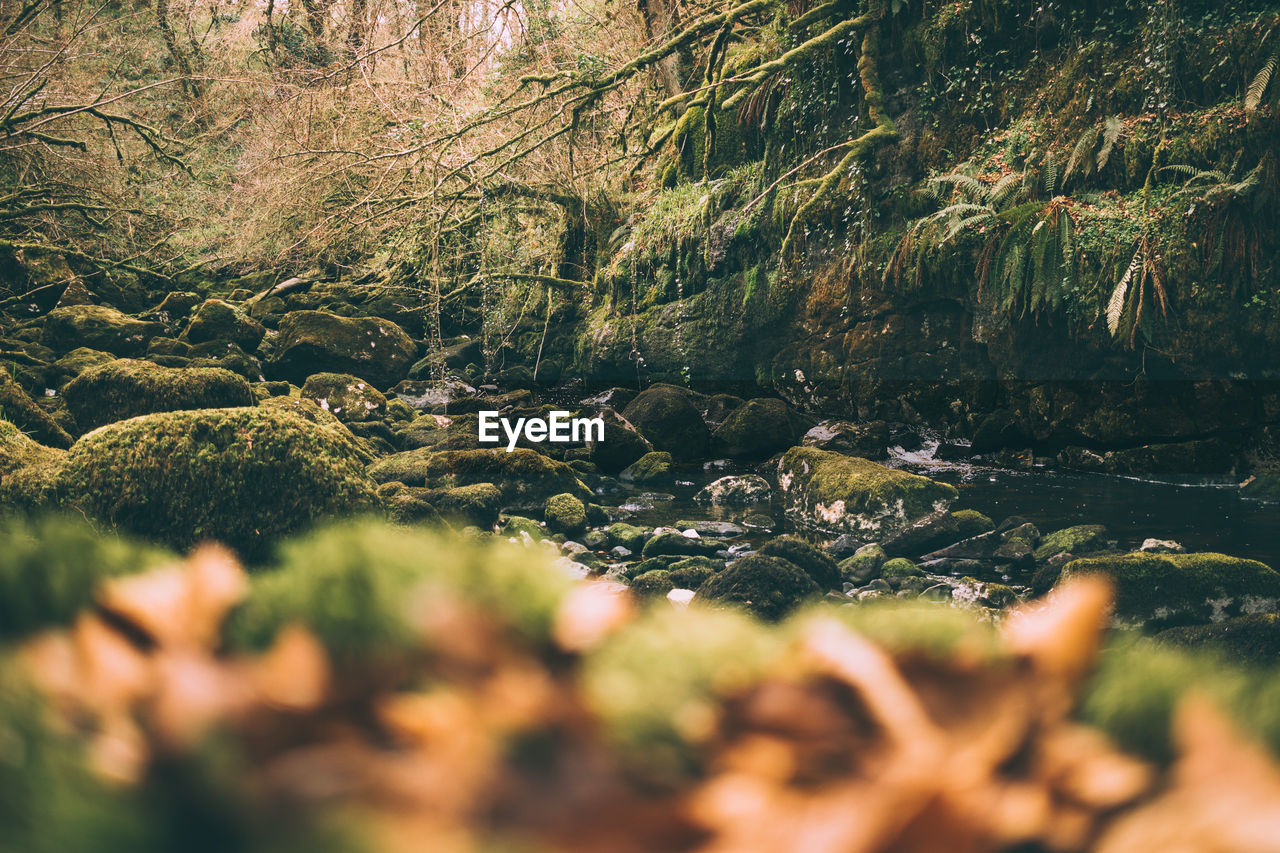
(19, 409)
(74, 363)
(1081, 539)
(525, 477)
(864, 565)
(970, 522)
(319, 342)
(349, 398)
(844, 494)
(216, 320)
(653, 584)
(651, 469)
(17, 450)
(126, 388)
(244, 477)
(628, 536)
(1155, 590)
(565, 514)
(815, 563)
(621, 446)
(692, 572)
(477, 504)
(756, 429)
(667, 417)
(519, 526)
(767, 587)
(735, 490)
(97, 327)
(1246, 639)
(900, 567)
(672, 542)
(356, 585)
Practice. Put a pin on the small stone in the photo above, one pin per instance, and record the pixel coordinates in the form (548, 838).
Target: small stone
(1162, 546)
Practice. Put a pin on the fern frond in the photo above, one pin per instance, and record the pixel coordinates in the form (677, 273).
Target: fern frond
(960, 225)
(1253, 96)
(1112, 129)
(965, 183)
(1115, 306)
(1002, 189)
(1083, 146)
(1050, 173)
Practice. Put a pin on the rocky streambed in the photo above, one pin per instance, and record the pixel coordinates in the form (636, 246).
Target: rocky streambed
(221, 419)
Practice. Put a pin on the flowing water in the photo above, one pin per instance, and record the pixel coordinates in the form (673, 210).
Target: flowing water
(1202, 517)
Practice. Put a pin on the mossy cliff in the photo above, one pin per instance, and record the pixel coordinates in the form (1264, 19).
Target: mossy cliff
(1061, 223)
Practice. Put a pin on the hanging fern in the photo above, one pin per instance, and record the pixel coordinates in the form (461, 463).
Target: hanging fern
(1257, 88)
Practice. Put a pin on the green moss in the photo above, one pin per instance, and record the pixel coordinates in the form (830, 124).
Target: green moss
(216, 320)
(50, 567)
(652, 468)
(18, 451)
(241, 476)
(97, 327)
(1081, 539)
(816, 563)
(766, 587)
(628, 536)
(970, 522)
(653, 584)
(565, 514)
(358, 587)
(1138, 684)
(757, 428)
(372, 348)
(900, 567)
(20, 410)
(518, 526)
(126, 388)
(654, 684)
(349, 398)
(1172, 589)
(1246, 639)
(838, 493)
(524, 477)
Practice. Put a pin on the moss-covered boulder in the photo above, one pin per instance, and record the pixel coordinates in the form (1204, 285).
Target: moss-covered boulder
(653, 584)
(216, 320)
(844, 494)
(17, 450)
(667, 417)
(673, 542)
(242, 476)
(476, 504)
(815, 563)
(755, 429)
(1078, 540)
(17, 407)
(1247, 639)
(627, 536)
(653, 468)
(126, 388)
(735, 490)
(1155, 590)
(622, 444)
(97, 327)
(74, 363)
(319, 342)
(864, 565)
(767, 587)
(565, 514)
(525, 477)
(349, 398)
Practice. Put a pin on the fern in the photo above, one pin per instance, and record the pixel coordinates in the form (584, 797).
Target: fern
(1115, 306)
(1050, 174)
(1257, 88)
(1084, 145)
(1112, 129)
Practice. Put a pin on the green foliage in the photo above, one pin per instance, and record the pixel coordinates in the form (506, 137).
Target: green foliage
(49, 568)
(361, 586)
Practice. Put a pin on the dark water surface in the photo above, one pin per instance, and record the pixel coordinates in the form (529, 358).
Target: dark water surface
(1201, 517)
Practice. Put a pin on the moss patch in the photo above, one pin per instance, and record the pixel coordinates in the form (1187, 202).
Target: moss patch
(844, 494)
(126, 388)
(1170, 589)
